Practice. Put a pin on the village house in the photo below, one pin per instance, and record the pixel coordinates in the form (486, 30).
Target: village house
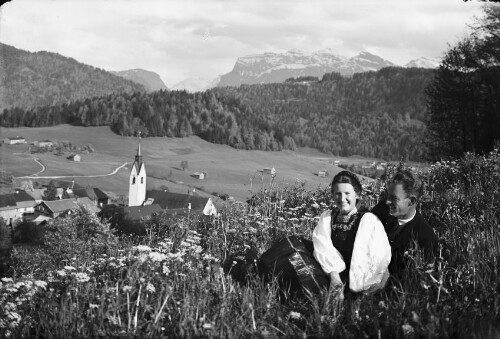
(15, 206)
(269, 170)
(57, 208)
(199, 175)
(139, 213)
(14, 140)
(323, 173)
(96, 195)
(182, 203)
(43, 143)
(75, 157)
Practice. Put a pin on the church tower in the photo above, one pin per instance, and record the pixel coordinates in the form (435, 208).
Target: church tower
(137, 182)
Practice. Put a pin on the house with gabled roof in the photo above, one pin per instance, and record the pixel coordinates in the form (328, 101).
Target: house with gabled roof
(14, 140)
(96, 195)
(43, 143)
(180, 203)
(57, 208)
(137, 213)
(14, 206)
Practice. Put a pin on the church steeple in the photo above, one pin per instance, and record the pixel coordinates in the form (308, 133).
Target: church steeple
(138, 157)
(137, 183)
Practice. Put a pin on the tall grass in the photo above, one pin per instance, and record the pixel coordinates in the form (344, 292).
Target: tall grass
(83, 281)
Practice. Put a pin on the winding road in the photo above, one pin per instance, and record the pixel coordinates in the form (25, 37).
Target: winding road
(33, 176)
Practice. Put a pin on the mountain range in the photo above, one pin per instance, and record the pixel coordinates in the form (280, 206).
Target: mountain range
(150, 80)
(30, 79)
(277, 67)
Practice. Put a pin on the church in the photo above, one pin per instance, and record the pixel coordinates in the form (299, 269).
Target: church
(142, 203)
(137, 181)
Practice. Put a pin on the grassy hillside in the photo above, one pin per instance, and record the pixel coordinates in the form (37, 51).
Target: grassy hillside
(229, 170)
(29, 79)
(82, 281)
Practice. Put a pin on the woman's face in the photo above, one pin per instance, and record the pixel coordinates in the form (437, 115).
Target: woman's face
(344, 197)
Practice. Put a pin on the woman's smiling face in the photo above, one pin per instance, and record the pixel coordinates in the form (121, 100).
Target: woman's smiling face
(344, 197)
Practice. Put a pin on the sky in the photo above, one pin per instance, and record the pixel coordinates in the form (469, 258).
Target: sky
(179, 39)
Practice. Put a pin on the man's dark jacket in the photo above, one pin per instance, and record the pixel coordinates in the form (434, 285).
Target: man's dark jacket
(403, 237)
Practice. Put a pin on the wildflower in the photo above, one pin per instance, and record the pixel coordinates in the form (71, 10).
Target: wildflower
(157, 257)
(165, 269)
(407, 329)
(82, 277)
(382, 304)
(150, 288)
(295, 315)
(10, 306)
(142, 248)
(127, 288)
(7, 280)
(69, 268)
(93, 305)
(208, 326)
(41, 284)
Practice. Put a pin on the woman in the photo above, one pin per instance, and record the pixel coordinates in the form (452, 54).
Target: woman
(350, 243)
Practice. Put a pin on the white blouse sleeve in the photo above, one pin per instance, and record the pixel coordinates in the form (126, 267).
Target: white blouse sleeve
(371, 256)
(325, 253)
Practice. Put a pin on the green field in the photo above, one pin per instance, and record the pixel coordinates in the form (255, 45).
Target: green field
(229, 170)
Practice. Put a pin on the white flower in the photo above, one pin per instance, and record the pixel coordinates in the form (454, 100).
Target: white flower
(295, 315)
(157, 257)
(69, 268)
(208, 326)
(82, 277)
(7, 280)
(93, 305)
(41, 284)
(150, 288)
(127, 288)
(407, 329)
(142, 248)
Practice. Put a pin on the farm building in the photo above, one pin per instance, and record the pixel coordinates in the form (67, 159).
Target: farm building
(323, 173)
(181, 203)
(75, 157)
(14, 206)
(269, 170)
(15, 140)
(96, 195)
(199, 175)
(56, 208)
(137, 213)
(43, 143)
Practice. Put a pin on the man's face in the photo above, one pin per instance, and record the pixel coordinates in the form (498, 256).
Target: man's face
(400, 204)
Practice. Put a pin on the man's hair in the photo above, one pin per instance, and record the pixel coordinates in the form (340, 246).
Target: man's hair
(412, 184)
(346, 177)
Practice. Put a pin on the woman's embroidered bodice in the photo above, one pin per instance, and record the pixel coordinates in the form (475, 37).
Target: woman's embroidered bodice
(344, 229)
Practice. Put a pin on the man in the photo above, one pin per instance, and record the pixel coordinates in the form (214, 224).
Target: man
(403, 223)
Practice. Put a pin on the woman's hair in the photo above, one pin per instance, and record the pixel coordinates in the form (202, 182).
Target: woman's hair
(411, 183)
(346, 177)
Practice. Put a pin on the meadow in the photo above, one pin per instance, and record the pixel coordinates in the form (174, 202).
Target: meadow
(82, 280)
(230, 171)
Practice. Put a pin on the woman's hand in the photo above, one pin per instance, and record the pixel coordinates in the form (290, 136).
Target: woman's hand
(335, 279)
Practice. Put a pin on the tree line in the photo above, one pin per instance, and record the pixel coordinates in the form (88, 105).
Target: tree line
(375, 114)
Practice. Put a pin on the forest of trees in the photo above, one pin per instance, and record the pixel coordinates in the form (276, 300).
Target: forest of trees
(464, 96)
(44, 78)
(376, 114)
